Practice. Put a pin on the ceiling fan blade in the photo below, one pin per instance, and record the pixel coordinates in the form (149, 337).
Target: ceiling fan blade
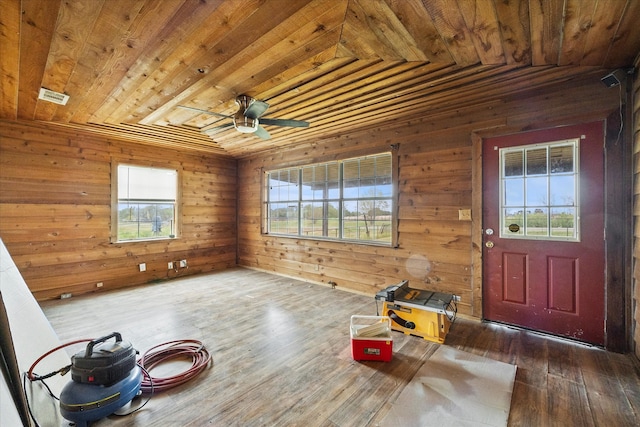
(262, 133)
(198, 110)
(256, 109)
(285, 122)
(215, 129)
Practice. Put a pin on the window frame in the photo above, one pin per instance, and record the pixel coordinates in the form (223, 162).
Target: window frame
(340, 200)
(115, 201)
(549, 206)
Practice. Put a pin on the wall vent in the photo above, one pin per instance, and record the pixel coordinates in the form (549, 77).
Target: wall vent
(51, 96)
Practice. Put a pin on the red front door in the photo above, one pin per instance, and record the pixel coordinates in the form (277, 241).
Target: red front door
(543, 231)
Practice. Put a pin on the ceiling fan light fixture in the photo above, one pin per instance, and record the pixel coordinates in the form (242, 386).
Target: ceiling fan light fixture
(247, 119)
(245, 124)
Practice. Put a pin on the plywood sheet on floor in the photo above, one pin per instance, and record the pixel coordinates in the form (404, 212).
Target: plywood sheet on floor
(455, 388)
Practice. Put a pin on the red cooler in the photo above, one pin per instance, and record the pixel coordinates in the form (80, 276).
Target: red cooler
(371, 338)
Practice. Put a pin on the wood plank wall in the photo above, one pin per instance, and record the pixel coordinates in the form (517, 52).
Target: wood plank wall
(437, 165)
(55, 210)
(55, 202)
(635, 309)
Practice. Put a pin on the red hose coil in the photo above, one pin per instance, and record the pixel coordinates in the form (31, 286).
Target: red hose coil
(170, 350)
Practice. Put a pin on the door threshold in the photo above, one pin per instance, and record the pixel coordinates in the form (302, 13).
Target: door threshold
(546, 335)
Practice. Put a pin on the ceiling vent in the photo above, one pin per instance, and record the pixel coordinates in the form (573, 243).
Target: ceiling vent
(51, 96)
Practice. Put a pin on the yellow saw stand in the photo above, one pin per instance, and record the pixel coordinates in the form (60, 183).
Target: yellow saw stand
(423, 313)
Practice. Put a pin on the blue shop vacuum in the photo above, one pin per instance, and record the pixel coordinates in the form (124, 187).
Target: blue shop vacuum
(104, 378)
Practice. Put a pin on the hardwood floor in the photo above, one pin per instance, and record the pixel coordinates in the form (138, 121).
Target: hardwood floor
(281, 357)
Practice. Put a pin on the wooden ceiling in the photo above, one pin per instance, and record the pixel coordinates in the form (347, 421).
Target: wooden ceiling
(338, 64)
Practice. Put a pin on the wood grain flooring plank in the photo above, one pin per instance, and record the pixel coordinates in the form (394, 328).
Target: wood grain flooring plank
(567, 403)
(528, 405)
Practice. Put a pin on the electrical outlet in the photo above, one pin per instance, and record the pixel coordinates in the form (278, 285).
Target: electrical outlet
(456, 298)
(170, 265)
(99, 285)
(143, 267)
(183, 263)
(64, 296)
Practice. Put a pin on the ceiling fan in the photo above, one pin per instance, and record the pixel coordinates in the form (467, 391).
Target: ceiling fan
(249, 117)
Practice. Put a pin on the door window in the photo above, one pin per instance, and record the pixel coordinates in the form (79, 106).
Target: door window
(539, 191)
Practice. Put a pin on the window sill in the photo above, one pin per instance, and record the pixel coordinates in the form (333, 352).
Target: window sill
(331, 240)
(155, 239)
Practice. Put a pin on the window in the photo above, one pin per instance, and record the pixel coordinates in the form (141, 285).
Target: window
(539, 191)
(350, 200)
(147, 200)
